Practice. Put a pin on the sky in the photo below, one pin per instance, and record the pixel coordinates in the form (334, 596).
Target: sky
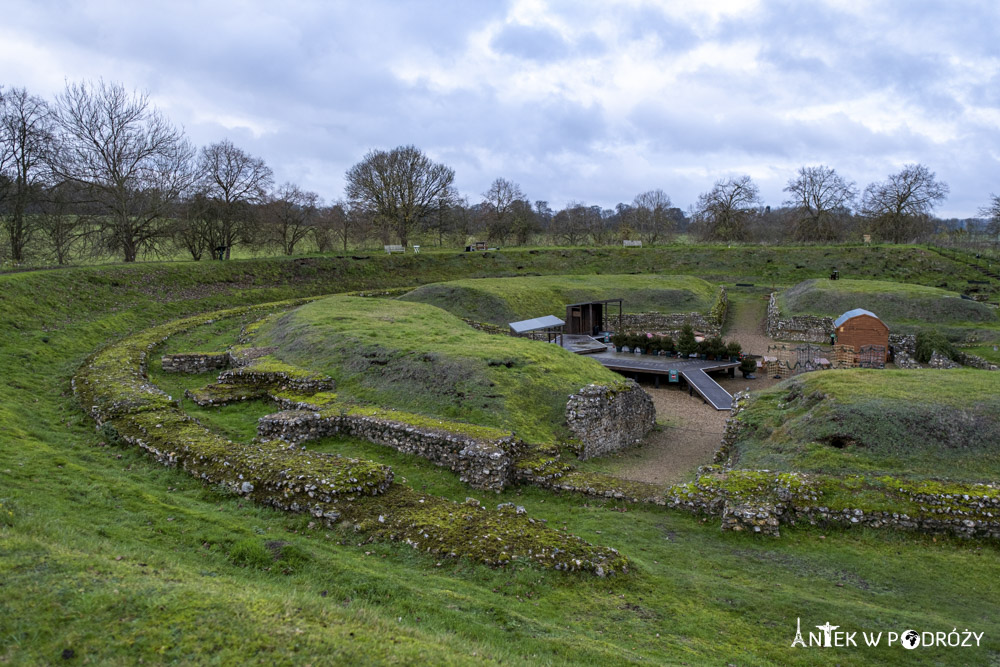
(579, 101)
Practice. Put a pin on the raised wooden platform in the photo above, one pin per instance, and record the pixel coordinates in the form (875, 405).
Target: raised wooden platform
(693, 371)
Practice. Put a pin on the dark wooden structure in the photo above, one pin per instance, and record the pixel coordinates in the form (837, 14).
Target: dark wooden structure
(591, 318)
(863, 329)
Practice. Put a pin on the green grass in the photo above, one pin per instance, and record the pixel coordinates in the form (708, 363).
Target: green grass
(109, 555)
(894, 303)
(927, 424)
(419, 358)
(503, 301)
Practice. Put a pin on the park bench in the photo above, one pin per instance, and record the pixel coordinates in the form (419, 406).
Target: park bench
(632, 244)
(394, 248)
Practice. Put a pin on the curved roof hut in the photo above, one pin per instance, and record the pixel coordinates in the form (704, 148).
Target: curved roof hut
(865, 332)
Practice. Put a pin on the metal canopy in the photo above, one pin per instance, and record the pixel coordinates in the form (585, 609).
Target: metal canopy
(536, 324)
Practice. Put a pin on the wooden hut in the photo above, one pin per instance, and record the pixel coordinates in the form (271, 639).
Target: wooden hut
(592, 317)
(866, 333)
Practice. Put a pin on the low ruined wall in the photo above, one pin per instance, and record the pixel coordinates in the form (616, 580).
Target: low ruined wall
(974, 361)
(669, 322)
(608, 419)
(483, 464)
(194, 363)
(804, 328)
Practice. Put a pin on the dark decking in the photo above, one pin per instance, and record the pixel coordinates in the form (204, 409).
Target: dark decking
(694, 372)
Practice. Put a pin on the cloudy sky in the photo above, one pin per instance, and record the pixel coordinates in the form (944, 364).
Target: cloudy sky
(574, 100)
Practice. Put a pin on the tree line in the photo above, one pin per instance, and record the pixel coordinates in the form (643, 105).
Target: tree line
(100, 171)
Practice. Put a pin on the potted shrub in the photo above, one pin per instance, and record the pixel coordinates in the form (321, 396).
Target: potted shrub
(654, 346)
(686, 344)
(733, 349)
(667, 345)
(748, 366)
(618, 340)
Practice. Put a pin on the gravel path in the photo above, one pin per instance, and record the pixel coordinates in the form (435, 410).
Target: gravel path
(691, 428)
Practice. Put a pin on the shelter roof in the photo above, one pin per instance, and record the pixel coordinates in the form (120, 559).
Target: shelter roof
(851, 314)
(587, 303)
(536, 324)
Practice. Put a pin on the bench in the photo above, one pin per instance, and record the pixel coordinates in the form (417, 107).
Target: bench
(394, 248)
(632, 244)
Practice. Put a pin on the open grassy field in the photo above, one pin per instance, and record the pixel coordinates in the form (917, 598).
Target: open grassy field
(895, 303)
(419, 358)
(500, 302)
(927, 424)
(107, 558)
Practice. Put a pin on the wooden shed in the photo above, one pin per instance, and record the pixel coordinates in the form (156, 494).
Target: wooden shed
(592, 317)
(865, 332)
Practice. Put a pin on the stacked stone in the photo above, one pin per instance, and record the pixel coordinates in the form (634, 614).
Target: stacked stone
(804, 328)
(759, 518)
(941, 361)
(249, 375)
(670, 322)
(194, 363)
(974, 361)
(483, 464)
(726, 454)
(904, 360)
(608, 419)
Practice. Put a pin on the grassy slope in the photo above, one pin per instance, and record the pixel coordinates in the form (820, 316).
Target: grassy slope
(939, 424)
(516, 299)
(894, 303)
(71, 508)
(422, 359)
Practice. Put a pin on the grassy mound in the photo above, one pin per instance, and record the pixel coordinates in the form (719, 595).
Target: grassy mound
(931, 424)
(513, 299)
(110, 556)
(894, 303)
(421, 359)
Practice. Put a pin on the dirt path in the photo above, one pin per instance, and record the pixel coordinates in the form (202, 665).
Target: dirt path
(691, 429)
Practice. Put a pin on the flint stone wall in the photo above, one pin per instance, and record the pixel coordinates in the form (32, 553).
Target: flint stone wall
(248, 375)
(804, 328)
(194, 363)
(482, 464)
(974, 361)
(941, 361)
(670, 322)
(607, 419)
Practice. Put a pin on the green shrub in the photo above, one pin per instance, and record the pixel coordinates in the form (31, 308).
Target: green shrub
(929, 341)
(686, 344)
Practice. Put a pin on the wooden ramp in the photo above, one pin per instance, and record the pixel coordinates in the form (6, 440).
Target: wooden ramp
(694, 372)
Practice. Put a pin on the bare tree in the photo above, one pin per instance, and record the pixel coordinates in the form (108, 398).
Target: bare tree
(131, 162)
(651, 216)
(724, 213)
(822, 200)
(291, 215)
(572, 225)
(899, 208)
(64, 224)
(400, 187)
(236, 181)
(27, 136)
(992, 211)
(498, 203)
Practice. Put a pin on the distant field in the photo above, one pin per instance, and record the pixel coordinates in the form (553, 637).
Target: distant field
(521, 298)
(894, 303)
(938, 424)
(419, 358)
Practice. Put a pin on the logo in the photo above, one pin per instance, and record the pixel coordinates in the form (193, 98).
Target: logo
(829, 637)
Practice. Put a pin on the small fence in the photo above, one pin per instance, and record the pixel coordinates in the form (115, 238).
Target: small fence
(789, 360)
